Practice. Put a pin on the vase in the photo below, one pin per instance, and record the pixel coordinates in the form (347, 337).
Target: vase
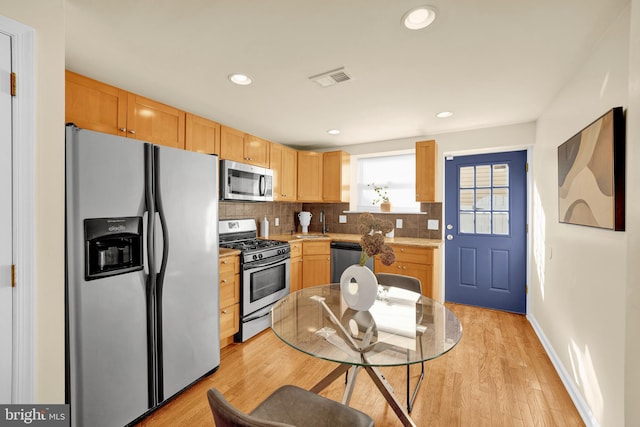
(385, 207)
(359, 287)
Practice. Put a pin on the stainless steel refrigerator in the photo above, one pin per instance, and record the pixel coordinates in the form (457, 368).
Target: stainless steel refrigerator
(142, 300)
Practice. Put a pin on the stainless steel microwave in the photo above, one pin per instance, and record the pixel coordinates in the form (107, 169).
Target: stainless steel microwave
(243, 182)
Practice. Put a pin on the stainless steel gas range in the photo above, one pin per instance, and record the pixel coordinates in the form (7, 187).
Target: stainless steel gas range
(264, 278)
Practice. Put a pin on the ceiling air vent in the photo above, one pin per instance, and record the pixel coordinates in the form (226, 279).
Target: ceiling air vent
(331, 78)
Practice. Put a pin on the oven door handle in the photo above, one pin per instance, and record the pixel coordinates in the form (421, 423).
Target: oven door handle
(258, 315)
(268, 263)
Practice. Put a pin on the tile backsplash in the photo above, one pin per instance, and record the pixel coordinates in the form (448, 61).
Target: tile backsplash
(413, 225)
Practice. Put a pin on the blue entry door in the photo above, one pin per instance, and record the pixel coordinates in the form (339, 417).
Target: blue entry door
(486, 231)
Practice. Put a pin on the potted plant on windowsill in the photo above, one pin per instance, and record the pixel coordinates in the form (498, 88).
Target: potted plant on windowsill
(381, 197)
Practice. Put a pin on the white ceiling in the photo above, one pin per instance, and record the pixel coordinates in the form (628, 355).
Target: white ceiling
(491, 62)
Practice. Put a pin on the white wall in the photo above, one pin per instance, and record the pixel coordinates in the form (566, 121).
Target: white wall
(632, 371)
(46, 17)
(579, 277)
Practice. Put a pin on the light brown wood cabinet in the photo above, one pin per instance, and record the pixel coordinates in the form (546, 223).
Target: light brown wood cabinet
(310, 167)
(295, 276)
(151, 121)
(335, 176)
(244, 148)
(316, 263)
(420, 262)
(426, 171)
(284, 163)
(94, 105)
(229, 298)
(202, 135)
(90, 104)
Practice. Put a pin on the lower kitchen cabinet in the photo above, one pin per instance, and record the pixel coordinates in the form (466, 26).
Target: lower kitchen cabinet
(316, 263)
(229, 298)
(416, 262)
(295, 276)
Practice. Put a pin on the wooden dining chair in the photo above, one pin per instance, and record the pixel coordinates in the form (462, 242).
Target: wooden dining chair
(412, 284)
(288, 406)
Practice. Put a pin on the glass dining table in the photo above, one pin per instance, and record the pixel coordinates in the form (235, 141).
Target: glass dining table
(401, 328)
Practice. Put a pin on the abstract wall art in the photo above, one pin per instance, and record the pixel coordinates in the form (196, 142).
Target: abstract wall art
(591, 174)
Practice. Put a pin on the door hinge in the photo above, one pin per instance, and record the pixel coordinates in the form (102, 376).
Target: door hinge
(526, 289)
(13, 275)
(13, 84)
(526, 167)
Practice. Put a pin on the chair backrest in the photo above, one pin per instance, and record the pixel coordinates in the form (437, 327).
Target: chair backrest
(400, 281)
(226, 415)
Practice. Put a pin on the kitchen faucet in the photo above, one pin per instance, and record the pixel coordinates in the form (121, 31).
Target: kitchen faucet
(322, 221)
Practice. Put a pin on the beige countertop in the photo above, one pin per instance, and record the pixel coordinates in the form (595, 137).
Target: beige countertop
(355, 238)
(228, 252)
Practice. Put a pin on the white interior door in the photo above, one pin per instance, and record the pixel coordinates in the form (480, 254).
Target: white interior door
(6, 235)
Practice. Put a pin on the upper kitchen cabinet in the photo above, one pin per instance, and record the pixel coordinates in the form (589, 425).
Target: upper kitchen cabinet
(240, 147)
(335, 176)
(284, 163)
(310, 167)
(154, 122)
(256, 150)
(426, 168)
(93, 105)
(202, 135)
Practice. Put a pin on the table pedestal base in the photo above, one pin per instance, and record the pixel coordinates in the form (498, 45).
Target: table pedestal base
(378, 380)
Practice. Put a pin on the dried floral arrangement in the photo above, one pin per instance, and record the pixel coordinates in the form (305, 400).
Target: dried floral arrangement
(372, 240)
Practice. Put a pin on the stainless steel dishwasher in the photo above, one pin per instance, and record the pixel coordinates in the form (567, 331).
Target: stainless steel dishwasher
(343, 255)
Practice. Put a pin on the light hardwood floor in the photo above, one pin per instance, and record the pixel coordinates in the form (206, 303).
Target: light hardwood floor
(498, 375)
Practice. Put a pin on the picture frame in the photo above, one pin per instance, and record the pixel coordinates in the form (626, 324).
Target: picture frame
(591, 174)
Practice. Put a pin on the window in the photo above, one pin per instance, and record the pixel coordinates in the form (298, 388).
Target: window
(397, 172)
(484, 199)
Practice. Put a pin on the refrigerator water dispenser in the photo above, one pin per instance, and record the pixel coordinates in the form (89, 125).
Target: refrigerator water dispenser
(112, 246)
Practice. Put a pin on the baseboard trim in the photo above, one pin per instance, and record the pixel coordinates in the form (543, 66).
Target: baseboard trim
(569, 384)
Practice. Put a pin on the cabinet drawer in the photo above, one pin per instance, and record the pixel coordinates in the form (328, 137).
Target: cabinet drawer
(413, 254)
(229, 290)
(229, 265)
(316, 248)
(296, 249)
(229, 320)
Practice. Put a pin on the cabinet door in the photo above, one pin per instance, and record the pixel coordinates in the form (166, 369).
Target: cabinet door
(295, 282)
(231, 144)
(202, 135)
(229, 323)
(93, 105)
(256, 151)
(309, 176)
(316, 270)
(154, 122)
(284, 162)
(426, 168)
(335, 176)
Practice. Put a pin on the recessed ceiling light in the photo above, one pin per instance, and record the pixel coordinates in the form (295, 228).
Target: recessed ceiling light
(240, 79)
(444, 114)
(419, 17)
(333, 131)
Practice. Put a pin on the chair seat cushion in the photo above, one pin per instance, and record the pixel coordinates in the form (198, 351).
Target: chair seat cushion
(296, 406)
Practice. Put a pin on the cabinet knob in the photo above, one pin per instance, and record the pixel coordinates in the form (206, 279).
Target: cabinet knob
(122, 129)
(132, 132)
(224, 261)
(223, 281)
(224, 311)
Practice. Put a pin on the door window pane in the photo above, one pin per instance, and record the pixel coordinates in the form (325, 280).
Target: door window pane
(501, 175)
(466, 222)
(466, 200)
(483, 176)
(484, 199)
(467, 177)
(501, 223)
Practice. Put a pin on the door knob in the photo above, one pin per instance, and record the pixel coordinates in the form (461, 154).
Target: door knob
(449, 226)
(449, 237)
